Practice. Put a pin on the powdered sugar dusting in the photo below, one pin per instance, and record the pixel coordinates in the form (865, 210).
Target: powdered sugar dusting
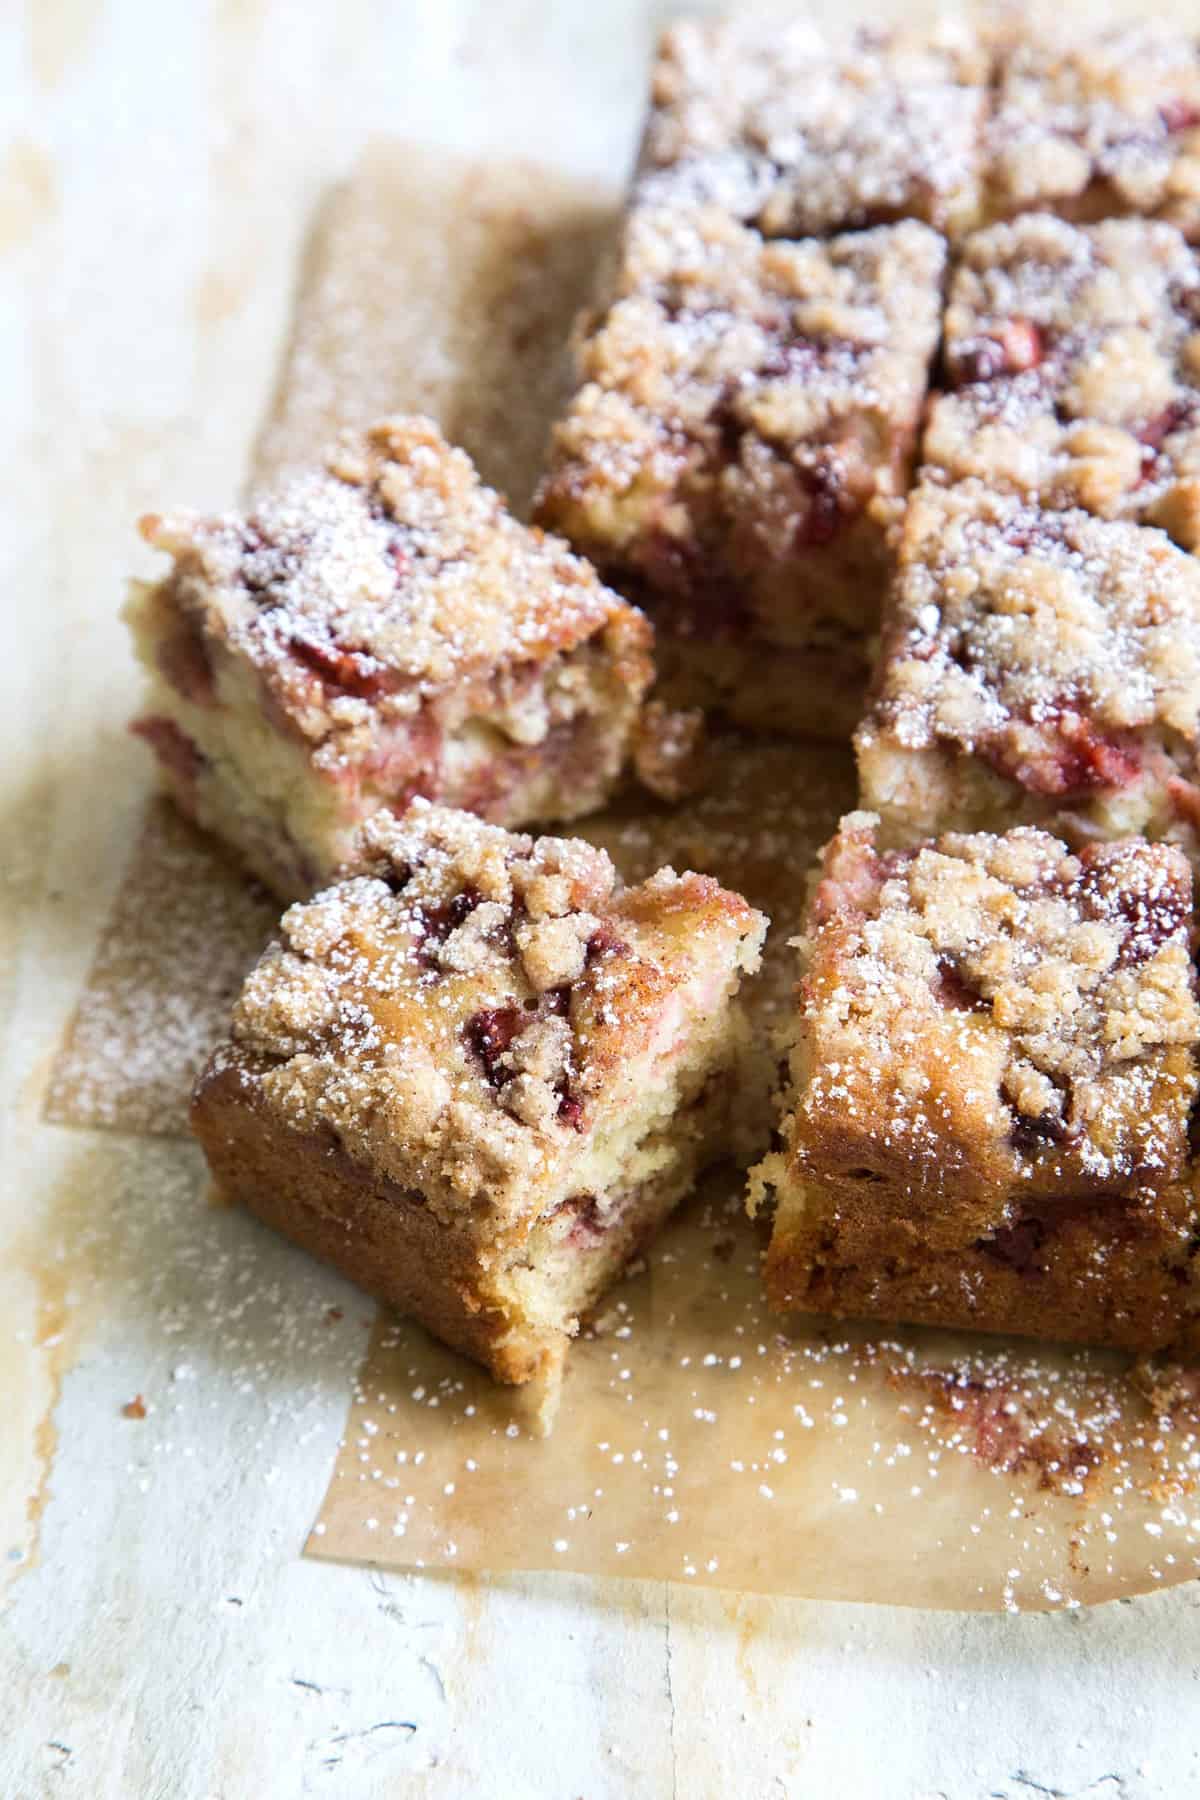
(699, 1442)
(183, 932)
(805, 133)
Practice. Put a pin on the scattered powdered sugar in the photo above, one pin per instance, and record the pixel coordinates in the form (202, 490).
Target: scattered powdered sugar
(1106, 117)
(183, 932)
(382, 578)
(737, 379)
(806, 133)
(699, 1441)
(1072, 352)
(1036, 639)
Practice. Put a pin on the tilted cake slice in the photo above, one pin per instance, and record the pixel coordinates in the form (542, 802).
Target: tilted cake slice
(479, 1076)
(377, 629)
(993, 1070)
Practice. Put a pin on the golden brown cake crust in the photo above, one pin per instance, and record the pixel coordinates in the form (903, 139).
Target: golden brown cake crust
(481, 1039)
(990, 1089)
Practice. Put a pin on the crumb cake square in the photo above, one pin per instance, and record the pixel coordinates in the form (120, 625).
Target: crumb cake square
(1072, 358)
(989, 1091)
(479, 1075)
(738, 447)
(1094, 123)
(376, 629)
(802, 134)
(1036, 668)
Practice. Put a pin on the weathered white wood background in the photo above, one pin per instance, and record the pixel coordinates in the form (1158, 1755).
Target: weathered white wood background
(159, 1635)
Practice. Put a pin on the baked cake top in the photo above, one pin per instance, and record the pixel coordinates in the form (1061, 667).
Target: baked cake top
(800, 133)
(723, 349)
(1042, 640)
(1118, 107)
(388, 575)
(1003, 1006)
(466, 1015)
(1074, 355)
(1109, 314)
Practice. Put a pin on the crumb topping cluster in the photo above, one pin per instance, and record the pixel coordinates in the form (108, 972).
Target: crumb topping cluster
(799, 135)
(1061, 984)
(1041, 641)
(755, 392)
(1075, 356)
(455, 1014)
(360, 590)
(1098, 121)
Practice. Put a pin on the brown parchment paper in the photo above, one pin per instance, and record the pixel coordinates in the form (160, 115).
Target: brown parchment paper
(184, 929)
(698, 1439)
(441, 285)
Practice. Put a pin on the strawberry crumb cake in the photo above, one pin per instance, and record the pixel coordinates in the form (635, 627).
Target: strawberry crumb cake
(739, 446)
(478, 1076)
(799, 133)
(1095, 124)
(377, 629)
(990, 1084)
(1037, 668)
(1072, 355)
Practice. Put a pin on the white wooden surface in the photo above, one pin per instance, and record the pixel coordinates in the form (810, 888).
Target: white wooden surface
(159, 1634)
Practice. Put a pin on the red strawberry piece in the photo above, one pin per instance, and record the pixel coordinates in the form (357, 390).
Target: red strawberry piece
(351, 671)
(173, 748)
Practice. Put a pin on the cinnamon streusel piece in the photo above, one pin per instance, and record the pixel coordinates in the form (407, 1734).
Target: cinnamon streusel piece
(800, 133)
(989, 1091)
(1072, 355)
(373, 630)
(1036, 668)
(1096, 123)
(737, 451)
(478, 1076)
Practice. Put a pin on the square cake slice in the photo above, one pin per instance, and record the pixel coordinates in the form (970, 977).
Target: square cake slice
(1095, 123)
(1072, 355)
(478, 1076)
(986, 1116)
(736, 453)
(1036, 668)
(377, 629)
(803, 134)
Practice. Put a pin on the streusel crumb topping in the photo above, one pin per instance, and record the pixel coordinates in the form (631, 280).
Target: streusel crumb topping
(1116, 109)
(1068, 977)
(802, 133)
(362, 588)
(777, 381)
(1039, 639)
(456, 1013)
(1075, 356)
(1074, 285)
